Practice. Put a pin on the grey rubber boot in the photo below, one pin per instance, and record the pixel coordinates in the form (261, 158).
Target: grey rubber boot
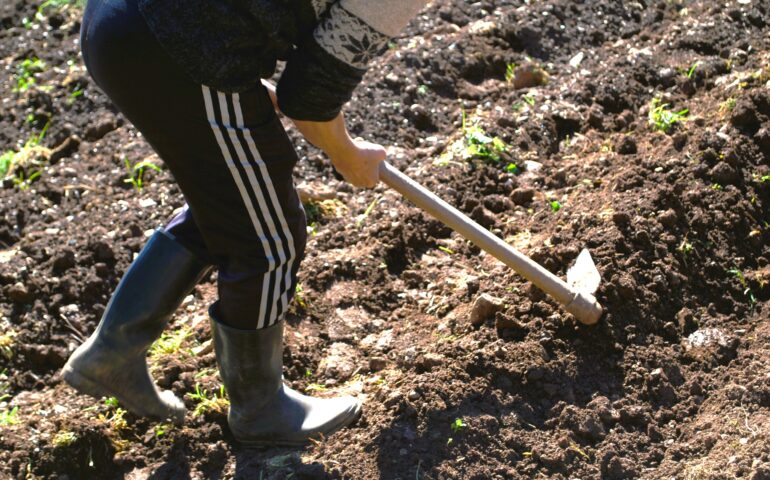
(264, 411)
(112, 362)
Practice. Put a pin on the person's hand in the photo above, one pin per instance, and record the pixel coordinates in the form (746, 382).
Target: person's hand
(359, 162)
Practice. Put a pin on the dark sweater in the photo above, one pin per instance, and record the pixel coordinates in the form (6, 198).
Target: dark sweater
(230, 44)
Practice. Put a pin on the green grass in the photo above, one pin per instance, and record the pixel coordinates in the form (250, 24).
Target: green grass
(299, 297)
(662, 118)
(137, 171)
(25, 73)
(169, 343)
(209, 402)
(555, 205)
(15, 163)
(9, 417)
(745, 284)
(64, 439)
(510, 72)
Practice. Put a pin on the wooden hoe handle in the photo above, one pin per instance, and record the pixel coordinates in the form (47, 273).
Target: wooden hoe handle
(582, 305)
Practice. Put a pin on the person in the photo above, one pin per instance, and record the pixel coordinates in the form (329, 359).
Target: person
(187, 74)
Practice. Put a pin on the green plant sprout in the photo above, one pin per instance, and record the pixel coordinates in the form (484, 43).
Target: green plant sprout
(728, 105)
(169, 342)
(555, 205)
(209, 403)
(510, 72)
(367, 212)
(512, 168)
(691, 71)
(458, 425)
(64, 439)
(25, 73)
(74, 95)
(9, 417)
(162, 428)
(664, 119)
(6, 345)
(422, 89)
(479, 144)
(761, 179)
(136, 173)
(299, 297)
(12, 162)
(745, 284)
(111, 402)
(315, 387)
(446, 250)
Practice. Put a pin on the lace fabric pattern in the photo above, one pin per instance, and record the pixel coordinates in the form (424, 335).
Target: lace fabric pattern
(348, 38)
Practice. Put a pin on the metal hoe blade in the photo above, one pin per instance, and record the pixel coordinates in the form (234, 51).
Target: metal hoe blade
(583, 275)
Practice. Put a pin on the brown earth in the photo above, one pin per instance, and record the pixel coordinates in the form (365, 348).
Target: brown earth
(673, 383)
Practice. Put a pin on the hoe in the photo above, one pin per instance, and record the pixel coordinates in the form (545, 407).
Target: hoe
(576, 295)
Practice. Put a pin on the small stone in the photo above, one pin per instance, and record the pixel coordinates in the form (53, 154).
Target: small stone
(147, 203)
(64, 261)
(523, 196)
(430, 360)
(529, 75)
(724, 174)
(484, 307)
(102, 251)
(626, 145)
(413, 395)
(667, 218)
(377, 363)
(19, 293)
(393, 80)
(621, 218)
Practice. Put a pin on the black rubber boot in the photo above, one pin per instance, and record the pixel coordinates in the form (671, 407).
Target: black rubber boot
(264, 411)
(112, 362)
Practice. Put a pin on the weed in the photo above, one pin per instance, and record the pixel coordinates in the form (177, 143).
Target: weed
(510, 72)
(299, 297)
(458, 425)
(116, 420)
(664, 119)
(136, 172)
(13, 164)
(209, 403)
(727, 106)
(762, 178)
(162, 428)
(512, 168)
(479, 144)
(64, 439)
(685, 247)
(6, 345)
(312, 212)
(169, 342)
(555, 205)
(25, 73)
(9, 417)
(367, 212)
(525, 100)
(689, 73)
(446, 250)
(111, 402)
(74, 95)
(745, 284)
(580, 451)
(315, 387)
(422, 89)
(716, 186)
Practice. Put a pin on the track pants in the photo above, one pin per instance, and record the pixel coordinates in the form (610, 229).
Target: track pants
(229, 154)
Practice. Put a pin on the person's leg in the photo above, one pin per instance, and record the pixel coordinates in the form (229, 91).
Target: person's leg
(233, 162)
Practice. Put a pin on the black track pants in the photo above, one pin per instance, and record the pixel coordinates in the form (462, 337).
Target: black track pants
(228, 152)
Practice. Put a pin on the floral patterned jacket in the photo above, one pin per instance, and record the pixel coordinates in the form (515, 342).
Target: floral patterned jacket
(327, 44)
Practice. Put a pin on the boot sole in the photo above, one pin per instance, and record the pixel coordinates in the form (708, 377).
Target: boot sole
(97, 390)
(287, 443)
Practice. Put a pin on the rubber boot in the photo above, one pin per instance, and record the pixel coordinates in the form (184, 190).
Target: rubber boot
(264, 411)
(112, 362)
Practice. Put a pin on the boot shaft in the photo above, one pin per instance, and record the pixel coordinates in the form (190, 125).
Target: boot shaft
(150, 291)
(250, 361)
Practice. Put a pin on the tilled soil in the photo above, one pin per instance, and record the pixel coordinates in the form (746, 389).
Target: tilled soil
(674, 382)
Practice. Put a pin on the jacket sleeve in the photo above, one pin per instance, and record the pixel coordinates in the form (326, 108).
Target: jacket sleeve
(322, 72)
